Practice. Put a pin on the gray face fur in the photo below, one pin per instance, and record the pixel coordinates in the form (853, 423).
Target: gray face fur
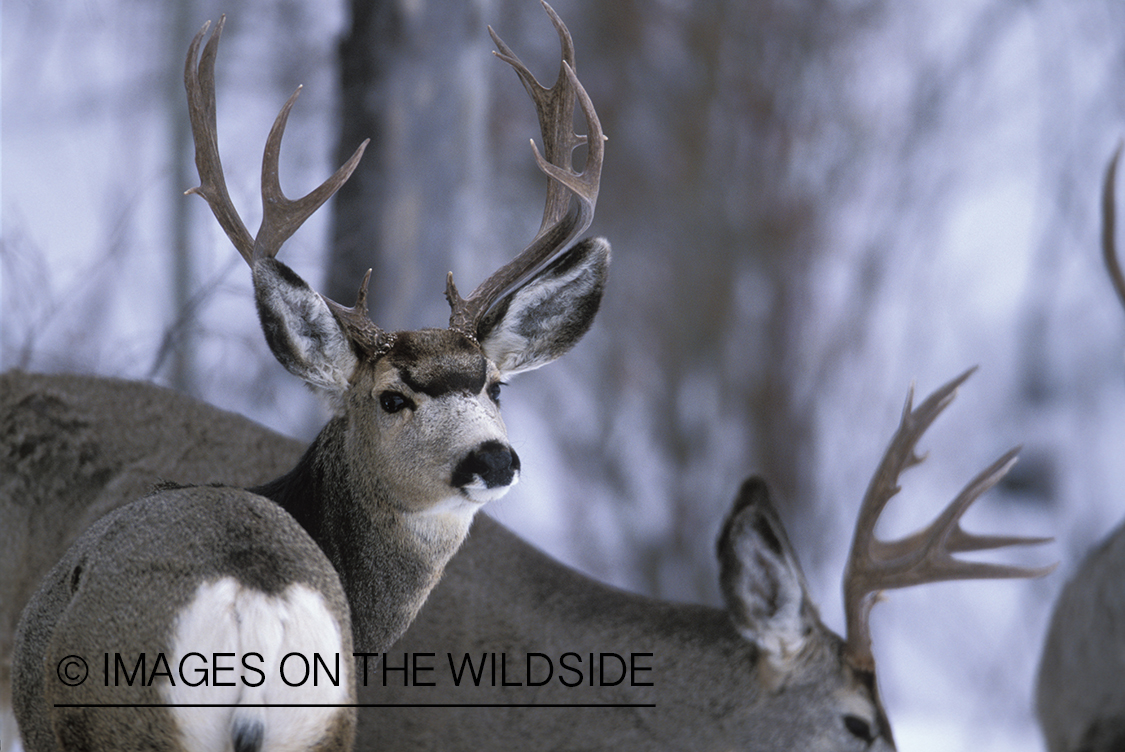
(423, 419)
(420, 414)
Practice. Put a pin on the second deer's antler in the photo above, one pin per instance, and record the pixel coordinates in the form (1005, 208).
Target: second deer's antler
(927, 555)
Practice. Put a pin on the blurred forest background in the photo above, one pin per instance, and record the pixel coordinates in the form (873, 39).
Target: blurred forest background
(811, 205)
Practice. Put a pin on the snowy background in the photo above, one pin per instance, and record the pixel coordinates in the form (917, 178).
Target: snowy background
(917, 194)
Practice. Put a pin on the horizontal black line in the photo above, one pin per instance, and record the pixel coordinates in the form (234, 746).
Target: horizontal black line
(363, 705)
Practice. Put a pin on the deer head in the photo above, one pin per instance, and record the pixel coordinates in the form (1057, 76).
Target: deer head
(424, 404)
(806, 667)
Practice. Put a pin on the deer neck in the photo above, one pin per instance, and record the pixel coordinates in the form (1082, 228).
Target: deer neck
(388, 559)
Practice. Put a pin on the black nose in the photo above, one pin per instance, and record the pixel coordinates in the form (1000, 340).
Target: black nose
(494, 463)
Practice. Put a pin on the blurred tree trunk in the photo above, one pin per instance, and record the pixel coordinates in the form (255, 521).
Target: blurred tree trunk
(707, 109)
(411, 83)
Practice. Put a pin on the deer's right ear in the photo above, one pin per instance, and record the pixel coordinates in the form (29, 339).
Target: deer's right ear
(762, 583)
(546, 316)
(301, 330)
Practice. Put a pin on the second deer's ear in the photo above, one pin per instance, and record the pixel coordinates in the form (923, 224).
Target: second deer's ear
(301, 330)
(761, 579)
(547, 315)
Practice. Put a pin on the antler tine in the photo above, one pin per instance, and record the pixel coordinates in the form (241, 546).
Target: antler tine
(555, 115)
(281, 216)
(899, 456)
(561, 223)
(934, 545)
(1109, 226)
(927, 555)
(200, 85)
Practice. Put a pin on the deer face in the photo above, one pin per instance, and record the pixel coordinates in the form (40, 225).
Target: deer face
(816, 698)
(422, 408)
(426, 415)
(827, 705)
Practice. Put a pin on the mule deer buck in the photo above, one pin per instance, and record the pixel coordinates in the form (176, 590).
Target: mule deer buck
(762, 674)
(1080, 695)
(387, 490)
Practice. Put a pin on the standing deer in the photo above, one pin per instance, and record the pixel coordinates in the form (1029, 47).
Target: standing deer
(761, 674)
(1080, 695)
(387, 491)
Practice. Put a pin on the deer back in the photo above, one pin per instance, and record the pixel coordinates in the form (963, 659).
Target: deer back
(140, 608)
(1080, 695)
(73, 448)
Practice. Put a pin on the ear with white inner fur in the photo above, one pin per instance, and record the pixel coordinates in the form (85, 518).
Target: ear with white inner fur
(547, 315)
(761, 580)
(301, 330)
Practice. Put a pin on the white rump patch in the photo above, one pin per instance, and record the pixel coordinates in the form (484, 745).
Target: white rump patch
(227, 617)
(9, 736)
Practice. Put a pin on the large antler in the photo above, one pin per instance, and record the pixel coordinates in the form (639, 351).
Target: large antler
(561, 223)
(926, 556)
(281, 216)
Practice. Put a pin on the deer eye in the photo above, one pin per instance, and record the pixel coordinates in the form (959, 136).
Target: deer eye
(859, 728)
(494, 391)
(393, 402)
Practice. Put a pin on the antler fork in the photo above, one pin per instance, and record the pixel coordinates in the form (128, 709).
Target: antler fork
(926, 556)
(281, 216)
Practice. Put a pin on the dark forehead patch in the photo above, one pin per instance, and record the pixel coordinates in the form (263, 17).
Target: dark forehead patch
(438, 361)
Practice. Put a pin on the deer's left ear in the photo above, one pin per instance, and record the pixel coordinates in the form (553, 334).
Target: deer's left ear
(300, 329)
(546, 316)
(765, 591)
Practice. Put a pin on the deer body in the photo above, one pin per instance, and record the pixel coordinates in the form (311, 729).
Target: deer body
(699, 684)
(721, 678)
(151, 584)
(1080, 693)
(375, 508)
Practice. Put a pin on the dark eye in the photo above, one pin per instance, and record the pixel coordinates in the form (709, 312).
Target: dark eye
(859, 728)
(494, 391)
(392, 402)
